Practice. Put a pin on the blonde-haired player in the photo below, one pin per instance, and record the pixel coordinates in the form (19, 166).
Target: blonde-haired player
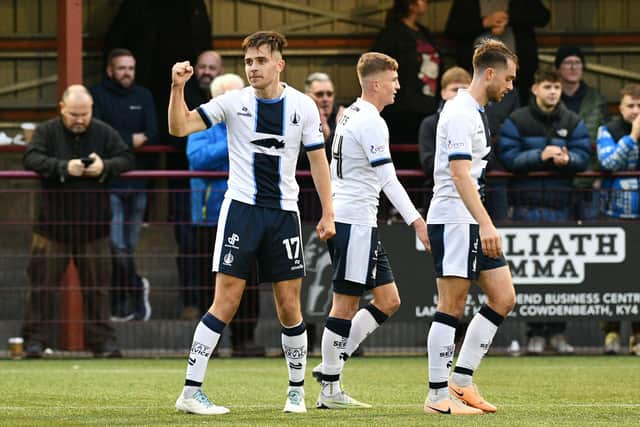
(361, 167)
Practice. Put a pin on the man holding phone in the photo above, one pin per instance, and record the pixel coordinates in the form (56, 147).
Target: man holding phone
(75, 156)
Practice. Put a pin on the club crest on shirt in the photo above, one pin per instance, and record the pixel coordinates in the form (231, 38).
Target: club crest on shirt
(294, 119)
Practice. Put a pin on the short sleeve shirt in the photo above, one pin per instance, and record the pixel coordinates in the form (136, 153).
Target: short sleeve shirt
(461, 135)
(264, 137)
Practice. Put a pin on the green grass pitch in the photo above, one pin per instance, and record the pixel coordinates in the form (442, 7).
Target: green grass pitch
(543, 391)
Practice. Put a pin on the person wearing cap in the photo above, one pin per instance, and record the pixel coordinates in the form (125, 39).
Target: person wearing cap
(577, 95)
(591, 106)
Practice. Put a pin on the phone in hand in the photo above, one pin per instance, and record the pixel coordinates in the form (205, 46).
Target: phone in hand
(86, 161)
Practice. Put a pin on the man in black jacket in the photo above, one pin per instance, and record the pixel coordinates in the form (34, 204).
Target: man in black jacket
(129, 109)
(75, 156)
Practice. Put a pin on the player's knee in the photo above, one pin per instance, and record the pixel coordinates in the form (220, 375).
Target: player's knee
(290, 309)
(510, 302)
(452, 307)
(392, 305)
(504, 302)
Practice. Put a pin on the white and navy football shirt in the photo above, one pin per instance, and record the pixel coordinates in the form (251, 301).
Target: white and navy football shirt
(360, 143)
(462, 133)
(264, 138)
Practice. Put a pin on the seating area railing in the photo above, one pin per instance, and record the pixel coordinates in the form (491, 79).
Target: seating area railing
(157, 260)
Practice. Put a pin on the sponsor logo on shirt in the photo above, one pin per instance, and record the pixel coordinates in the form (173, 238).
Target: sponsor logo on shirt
(376, 149)
(452, 146)
(244, 111)
(135, 107)
(269, 142)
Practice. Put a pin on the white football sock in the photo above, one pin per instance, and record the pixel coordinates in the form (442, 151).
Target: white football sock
(334, 343)
(440, 347)
(477, 340)
(366, 320)
(294, 346)
(205, 339)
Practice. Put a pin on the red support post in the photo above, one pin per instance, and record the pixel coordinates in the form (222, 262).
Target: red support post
(69, 65)
(69, 43)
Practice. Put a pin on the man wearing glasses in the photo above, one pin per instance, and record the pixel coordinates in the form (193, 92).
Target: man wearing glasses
(320, 87)
(591, 106)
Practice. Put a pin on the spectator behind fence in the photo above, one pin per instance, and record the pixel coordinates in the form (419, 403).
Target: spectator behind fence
(320, 88)
(453, 79)
(197, 91)
(208, 151)
(412, 45)
(618, 151)
(496, 198)
(75, 156)
(159, 33)
(511, 21)
(591, 106)
(129, 109)
(545, 136)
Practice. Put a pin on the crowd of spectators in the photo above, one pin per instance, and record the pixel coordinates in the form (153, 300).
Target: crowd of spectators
(553, 122)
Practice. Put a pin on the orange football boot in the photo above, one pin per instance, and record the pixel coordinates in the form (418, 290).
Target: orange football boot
(471, 396)
(450, 407)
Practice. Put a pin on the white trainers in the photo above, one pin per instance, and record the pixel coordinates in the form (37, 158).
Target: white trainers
(514, 348)
(536, 345)
(295, 401)
(316, 372)
(339, 400)
(199, 404)
(559, 343)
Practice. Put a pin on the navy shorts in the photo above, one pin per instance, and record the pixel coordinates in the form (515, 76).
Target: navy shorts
(359, 260)
(246, 233)
(457, 251)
